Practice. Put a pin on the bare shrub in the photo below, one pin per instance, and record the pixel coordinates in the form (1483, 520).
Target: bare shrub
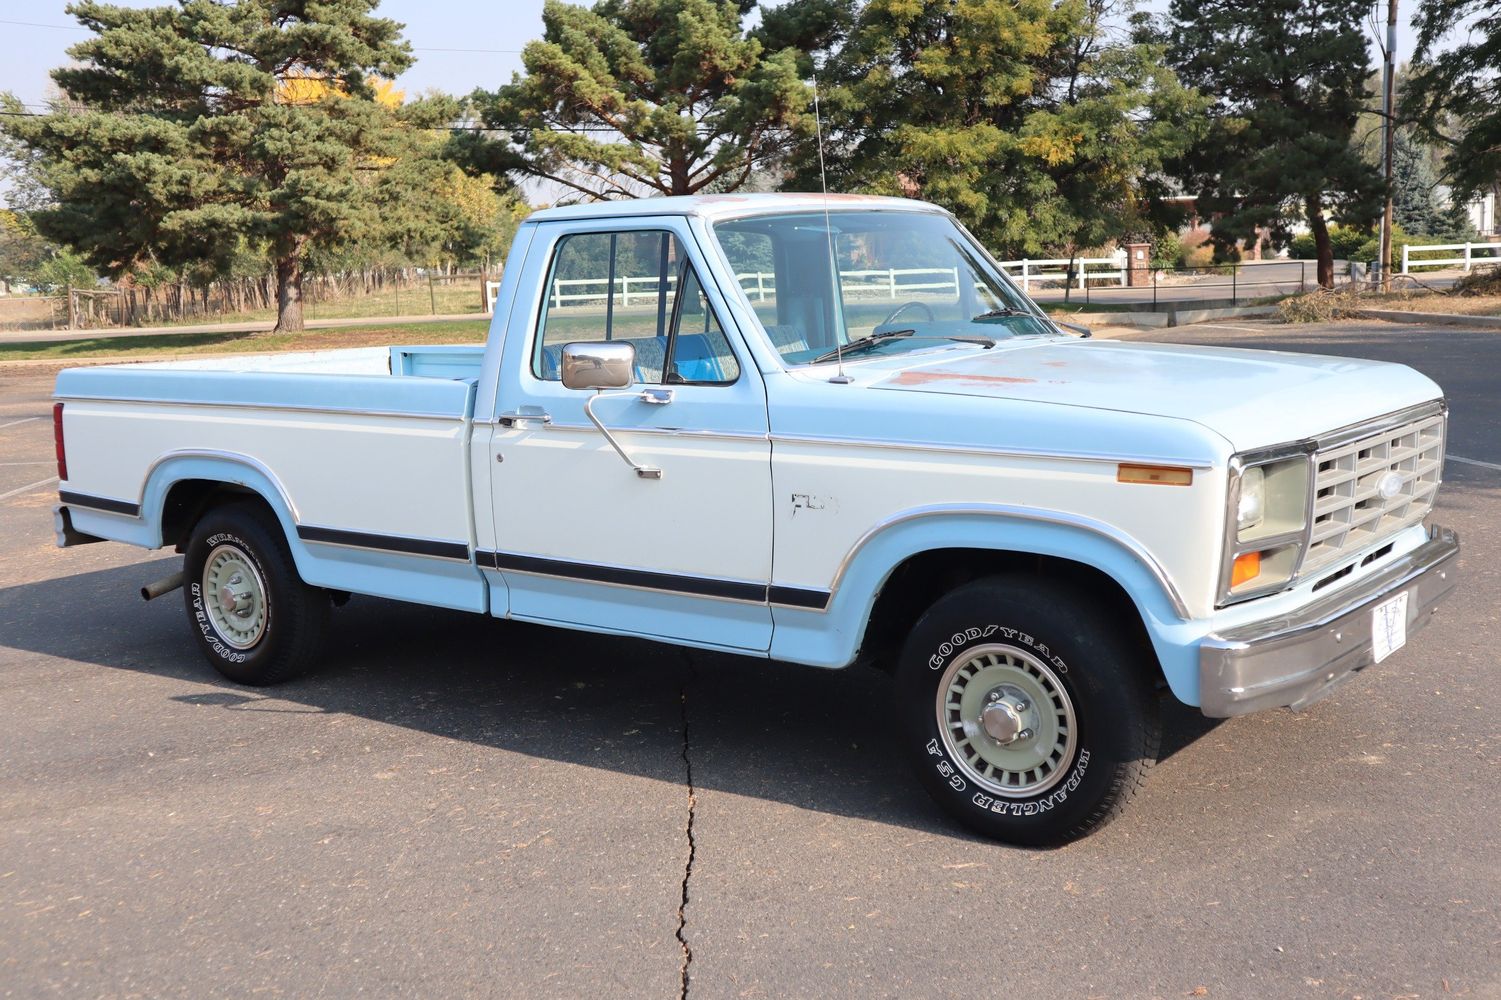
(1481, 281)
(1321, 306)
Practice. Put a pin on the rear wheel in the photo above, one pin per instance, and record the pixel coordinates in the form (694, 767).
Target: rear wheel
(254, 618)
(1029, 717)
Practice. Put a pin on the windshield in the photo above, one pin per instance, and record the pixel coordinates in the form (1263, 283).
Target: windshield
(905, 281)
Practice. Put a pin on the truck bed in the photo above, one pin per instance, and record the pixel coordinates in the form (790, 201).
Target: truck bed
(365, 451)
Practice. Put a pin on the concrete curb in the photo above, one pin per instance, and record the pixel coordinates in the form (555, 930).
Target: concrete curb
(1187, 317)
(1436, 319)
(1145, 320)
(1173, 317)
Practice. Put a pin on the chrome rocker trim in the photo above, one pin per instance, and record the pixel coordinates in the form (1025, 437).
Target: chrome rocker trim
(1296, 659)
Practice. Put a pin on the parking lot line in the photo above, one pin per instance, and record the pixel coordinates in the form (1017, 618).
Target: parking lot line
(1475, 461)
(28, 489)
(21, 421)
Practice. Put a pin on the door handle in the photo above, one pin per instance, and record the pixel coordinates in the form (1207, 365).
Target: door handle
(521, 417)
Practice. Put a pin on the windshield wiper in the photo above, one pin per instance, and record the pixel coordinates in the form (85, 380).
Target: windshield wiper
(862, 344)
(1000, 313)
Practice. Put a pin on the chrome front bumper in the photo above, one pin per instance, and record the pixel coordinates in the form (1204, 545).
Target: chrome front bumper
(1294, 660)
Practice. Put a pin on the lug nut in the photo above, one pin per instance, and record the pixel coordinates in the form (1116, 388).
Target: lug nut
(1025, 734)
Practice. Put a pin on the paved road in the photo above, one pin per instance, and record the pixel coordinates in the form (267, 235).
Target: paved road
(458, 807)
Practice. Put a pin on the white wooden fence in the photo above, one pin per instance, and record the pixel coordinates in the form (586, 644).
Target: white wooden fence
(889, 283)
(1467, 260)
(1028, 271)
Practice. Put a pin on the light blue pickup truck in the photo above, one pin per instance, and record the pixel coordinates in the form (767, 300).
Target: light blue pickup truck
(825, 431)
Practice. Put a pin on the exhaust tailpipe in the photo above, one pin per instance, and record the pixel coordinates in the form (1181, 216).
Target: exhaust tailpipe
(163, 586)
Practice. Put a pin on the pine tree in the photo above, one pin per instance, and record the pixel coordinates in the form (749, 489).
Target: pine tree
(1414, 206)
(635, 97)
(1288, 78)
(206, 126)
(1454, 96)
(1030, 120)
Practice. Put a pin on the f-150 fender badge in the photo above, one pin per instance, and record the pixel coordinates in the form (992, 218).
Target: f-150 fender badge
(807, 501)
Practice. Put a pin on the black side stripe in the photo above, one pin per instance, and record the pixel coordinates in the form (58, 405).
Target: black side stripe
(799, 597)
(99, 503)
(386, 543)
(696, 586)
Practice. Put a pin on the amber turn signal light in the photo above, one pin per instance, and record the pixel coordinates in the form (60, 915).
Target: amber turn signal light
(1156, 475)
(1247, 567)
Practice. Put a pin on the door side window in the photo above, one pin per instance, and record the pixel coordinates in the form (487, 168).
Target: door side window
(698, 352)
(637, 287)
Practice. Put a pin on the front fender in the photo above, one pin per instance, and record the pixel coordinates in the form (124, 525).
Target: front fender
(831, 638)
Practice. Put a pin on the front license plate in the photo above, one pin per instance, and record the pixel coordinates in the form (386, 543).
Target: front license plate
(1389, 626)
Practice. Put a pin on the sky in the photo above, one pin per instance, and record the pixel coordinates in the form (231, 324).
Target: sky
(445, 33)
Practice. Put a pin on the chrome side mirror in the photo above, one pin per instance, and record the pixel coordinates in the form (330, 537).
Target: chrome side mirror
(601, 364)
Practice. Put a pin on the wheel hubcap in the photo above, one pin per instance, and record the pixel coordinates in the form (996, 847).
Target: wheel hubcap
(235, 597)
(1007, 720)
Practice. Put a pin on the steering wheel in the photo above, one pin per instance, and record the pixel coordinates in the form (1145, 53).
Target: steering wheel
(891, 316)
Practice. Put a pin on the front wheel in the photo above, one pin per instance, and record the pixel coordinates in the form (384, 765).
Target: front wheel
(1029, 717)
(254, 618)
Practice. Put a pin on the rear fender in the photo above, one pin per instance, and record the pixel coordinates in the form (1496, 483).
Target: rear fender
(449, 583)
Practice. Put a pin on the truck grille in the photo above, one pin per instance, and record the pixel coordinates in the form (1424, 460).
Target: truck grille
(1349, 508)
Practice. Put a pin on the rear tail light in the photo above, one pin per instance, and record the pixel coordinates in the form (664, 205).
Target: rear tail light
(57, 439)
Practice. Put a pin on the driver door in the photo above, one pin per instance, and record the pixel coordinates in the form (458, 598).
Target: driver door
(582, 539)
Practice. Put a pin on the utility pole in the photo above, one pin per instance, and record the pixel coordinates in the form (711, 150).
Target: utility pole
(1388, 109)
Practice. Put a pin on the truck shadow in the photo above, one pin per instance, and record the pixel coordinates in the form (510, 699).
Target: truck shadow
(815, 739)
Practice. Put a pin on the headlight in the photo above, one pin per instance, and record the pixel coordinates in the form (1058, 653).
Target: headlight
(1252, 503)
(1267, 523)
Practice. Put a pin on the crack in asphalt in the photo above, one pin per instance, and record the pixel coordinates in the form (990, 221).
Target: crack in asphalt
(692, 845)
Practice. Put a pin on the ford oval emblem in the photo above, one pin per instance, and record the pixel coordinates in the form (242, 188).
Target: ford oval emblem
(1389, 485)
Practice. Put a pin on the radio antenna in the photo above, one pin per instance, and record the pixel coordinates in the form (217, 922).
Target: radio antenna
(828, 231)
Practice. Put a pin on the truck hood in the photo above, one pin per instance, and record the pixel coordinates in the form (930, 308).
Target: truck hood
(1251, 398)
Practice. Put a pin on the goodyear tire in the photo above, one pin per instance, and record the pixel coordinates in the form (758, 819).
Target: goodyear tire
(1029, 717)
(253, 617)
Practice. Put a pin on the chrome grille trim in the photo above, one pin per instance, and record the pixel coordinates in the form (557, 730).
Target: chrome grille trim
(1349, 513)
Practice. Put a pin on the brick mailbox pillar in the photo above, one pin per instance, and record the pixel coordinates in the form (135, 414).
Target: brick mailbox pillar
(1138, 265)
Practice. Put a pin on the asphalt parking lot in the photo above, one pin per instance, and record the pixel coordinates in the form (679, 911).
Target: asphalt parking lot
(462, 807)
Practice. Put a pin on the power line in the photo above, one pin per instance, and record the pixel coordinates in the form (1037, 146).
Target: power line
(37, 24)
(415, 48)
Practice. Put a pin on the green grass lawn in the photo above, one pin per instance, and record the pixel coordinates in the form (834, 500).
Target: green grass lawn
(130, 348)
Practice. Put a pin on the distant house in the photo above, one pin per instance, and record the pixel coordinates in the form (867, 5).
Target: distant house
(1483, 213)
(1195, 230)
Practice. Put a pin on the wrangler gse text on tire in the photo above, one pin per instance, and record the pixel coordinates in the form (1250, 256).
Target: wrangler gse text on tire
(1026, 717)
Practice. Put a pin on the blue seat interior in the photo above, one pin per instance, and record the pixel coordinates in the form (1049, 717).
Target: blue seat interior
(697, 358)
